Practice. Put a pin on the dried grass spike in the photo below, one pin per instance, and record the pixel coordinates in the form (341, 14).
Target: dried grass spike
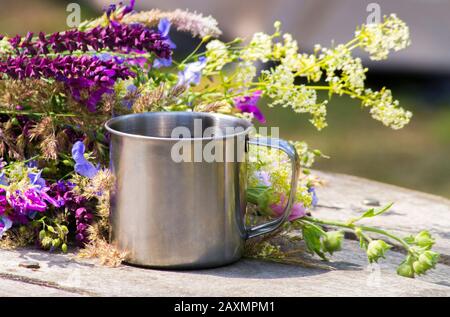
(183, 20)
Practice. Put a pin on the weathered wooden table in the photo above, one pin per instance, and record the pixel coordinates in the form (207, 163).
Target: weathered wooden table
(342, 197)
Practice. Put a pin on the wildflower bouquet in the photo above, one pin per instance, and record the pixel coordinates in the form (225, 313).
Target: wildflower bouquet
(57, 90)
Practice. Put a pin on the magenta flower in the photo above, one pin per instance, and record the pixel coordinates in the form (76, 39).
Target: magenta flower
(26, 204)
(298, 210)
(248, 104)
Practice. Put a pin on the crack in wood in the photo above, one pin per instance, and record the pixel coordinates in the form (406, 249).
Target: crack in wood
(33, 281)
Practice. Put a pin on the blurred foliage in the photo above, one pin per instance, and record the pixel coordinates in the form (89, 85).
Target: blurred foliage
(21, 16)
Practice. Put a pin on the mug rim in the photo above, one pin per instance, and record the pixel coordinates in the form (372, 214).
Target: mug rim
(174, 113)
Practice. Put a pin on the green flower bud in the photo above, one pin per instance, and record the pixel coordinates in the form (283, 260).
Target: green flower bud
(424, 240)
(419, 267)
(429, 259)
(206, 38)
(405, 270)
(67, 162)
(14, 121)
(64, 248)
(376, 250)
(42, 235)
(56, 242)
(332, 241)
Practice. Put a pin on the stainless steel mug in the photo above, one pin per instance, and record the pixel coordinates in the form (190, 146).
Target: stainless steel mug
(186, 214)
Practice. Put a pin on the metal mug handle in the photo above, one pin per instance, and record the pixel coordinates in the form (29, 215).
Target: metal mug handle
(289, 149)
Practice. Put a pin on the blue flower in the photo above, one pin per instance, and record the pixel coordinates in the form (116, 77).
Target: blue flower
(82, 166)
(128, 103)
(5, 225)
(164, 29)
(3, 179)
(36, 179)
(192, 72)
(162, 62)
(313, 193)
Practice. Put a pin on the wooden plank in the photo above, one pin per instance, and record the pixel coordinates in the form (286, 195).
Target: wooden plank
(352, 277)
(13, 288)
(342, 198)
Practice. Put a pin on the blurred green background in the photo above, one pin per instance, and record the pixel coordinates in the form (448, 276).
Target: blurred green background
(416, 157)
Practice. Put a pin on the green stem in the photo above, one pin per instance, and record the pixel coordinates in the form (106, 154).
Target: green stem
(39, 114)
(193, 52)
(363, 228)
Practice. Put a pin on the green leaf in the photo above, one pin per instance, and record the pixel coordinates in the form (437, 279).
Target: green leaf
(260, 196)
(376, 212)
(312, 236)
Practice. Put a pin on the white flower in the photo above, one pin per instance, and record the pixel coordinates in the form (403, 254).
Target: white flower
(217, 55)
(342, 70)
(385, 109)
(260, 48)
(281, 89)
(379, 39)
(245, 72)
(309, 67)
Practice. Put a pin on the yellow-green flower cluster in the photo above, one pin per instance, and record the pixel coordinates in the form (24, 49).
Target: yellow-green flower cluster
(378, 39)
(217, 56)
(385, 109)
(334, 70)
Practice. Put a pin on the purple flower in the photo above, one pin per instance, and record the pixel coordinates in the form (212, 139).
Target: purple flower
(59, 193)
(82, 220)
(5, 224)
(248, 104)
(123, 38)
(79, 74)
(298, 210)
(129, 8)
(110, 9)
(3, 202)
(82, 166)
(192, 72)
